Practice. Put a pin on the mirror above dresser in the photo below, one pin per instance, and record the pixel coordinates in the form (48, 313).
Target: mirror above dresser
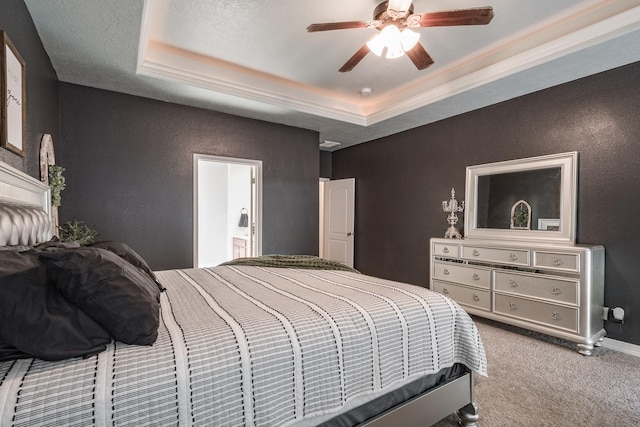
(543, 188)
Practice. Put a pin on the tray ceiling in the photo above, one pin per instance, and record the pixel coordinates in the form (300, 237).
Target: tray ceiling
(255, 59)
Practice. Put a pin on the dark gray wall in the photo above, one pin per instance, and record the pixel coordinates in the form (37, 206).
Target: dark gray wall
(401, 180)
(42, 86)
(129, 171)
(325, 164)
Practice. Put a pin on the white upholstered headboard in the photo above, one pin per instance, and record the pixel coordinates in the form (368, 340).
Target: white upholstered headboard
(25, 208)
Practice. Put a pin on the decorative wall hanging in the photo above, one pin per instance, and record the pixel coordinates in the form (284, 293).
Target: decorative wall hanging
(452, 207)
(51, 175)
(13, 113)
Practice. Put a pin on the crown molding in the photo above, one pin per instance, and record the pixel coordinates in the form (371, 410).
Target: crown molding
(580, 27)
(489, 67)
(172, 64)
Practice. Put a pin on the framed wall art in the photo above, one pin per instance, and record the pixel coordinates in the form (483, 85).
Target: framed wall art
(13, 81)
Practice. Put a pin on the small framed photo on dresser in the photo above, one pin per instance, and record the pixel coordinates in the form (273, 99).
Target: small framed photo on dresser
(13, 113)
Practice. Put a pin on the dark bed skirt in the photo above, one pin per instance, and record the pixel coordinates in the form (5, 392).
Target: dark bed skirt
(365, 412)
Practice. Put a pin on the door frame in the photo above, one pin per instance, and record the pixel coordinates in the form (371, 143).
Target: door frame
(325, 219)
(321, 215)
(256, 208)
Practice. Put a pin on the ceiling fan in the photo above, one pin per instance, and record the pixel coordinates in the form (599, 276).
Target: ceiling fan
(393, 19)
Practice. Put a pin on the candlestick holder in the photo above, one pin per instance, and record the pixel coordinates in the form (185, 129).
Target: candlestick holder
(452, 208)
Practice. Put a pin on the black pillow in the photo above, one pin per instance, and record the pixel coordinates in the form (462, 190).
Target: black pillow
(9, 352)
(36, 319)
(125, 252)
(117, 295)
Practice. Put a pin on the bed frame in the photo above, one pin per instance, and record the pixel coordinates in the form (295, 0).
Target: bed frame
(18, 188)
(433, 405)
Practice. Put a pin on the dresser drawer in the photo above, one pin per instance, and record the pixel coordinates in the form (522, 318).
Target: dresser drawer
(557, 261)
(472, 297)
(550, 288)
(461, 273)
(446, 250)
(496, 255)
(556, 316)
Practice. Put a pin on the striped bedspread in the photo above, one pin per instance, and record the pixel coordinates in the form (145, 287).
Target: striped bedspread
(245, 346)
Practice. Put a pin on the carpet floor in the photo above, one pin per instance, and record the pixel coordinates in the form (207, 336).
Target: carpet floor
(536, 380)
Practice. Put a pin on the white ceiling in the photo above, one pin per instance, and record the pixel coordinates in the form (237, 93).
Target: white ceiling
(255, 58)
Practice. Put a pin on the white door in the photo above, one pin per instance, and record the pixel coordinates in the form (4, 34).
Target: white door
(339, 208)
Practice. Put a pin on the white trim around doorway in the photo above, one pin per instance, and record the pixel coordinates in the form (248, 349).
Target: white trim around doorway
(257, 207)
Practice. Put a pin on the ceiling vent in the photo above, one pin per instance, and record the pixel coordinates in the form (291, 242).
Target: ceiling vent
(328, 144)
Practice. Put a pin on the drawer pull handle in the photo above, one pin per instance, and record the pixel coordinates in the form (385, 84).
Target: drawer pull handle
(476, 253)
(445, 291)
(555, 316)
(555, 290)
(476, 297)
(446, 271)
(445, 250)
(556, 261)
(512, 306)
(513, 257)
(475, 277)
(513, 283)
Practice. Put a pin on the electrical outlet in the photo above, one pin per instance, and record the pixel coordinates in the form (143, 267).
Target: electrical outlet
(618, 314)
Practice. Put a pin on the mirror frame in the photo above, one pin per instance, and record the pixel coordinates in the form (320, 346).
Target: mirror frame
(568, 163)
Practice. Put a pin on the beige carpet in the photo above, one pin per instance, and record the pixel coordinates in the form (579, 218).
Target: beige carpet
(535, 380)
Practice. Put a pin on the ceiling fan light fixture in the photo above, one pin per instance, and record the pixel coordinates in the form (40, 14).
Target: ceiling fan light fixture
(389, 34)
(388, 38)
(394, 50)
(395, 41)
(392, 16)
(376, 45)
(408, 39)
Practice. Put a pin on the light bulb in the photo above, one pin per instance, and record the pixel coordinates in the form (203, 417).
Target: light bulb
(389, 34)
(409, 39)
(376, 45)
(394, 50)
(395, 42)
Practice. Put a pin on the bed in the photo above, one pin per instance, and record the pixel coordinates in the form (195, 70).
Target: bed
(245, 344)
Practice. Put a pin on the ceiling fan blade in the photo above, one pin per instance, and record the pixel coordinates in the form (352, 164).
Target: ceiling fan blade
(327, 26)
(474, 16)
(419, 56)
(355, 59)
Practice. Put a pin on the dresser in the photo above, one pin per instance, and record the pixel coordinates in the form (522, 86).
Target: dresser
(554, 289)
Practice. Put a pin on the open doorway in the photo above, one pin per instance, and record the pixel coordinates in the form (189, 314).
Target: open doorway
(227, 209)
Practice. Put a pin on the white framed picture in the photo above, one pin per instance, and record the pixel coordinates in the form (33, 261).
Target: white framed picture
(549, 224)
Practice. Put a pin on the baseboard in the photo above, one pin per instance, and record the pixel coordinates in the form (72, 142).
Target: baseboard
(621, 346)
